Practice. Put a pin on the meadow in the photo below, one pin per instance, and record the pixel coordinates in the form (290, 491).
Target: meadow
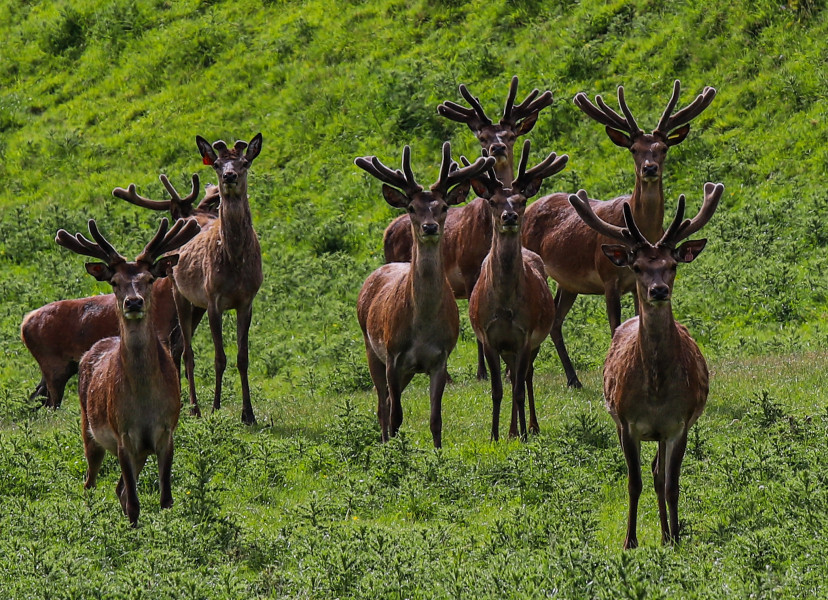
(308, 503)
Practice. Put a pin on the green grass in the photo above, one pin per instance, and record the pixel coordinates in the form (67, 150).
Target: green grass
(97, 95)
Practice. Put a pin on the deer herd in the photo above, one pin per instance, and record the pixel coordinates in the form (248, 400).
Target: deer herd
(495, 251)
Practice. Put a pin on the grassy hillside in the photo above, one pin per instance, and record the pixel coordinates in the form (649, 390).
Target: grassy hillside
(96, 95)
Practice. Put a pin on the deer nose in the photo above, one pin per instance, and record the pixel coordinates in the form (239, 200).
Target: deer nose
(659, 292)
(230, 177)
(133, 304)
(509, 218)
(498, 148)
(650, 170)
(430, 228)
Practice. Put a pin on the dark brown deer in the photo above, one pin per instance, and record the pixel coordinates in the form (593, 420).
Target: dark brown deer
(570, 250)
(129, 388)
(221, 269)
(655, 377)
(407, 311)
(58, 334)
(468, 231)
(511, 308)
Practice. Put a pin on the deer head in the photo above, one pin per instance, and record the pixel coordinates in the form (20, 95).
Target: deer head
(426, 208)
(507, 202)
(654, 265)
(648, 149)
(230, 164)
(131, 281)
(498, 139)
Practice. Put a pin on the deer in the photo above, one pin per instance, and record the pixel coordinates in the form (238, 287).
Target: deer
(220, 269)
(570, 250)
(128, 384)
(655, 377)
(468, 231)
(511, 308)
(58, 333)
(407, 312)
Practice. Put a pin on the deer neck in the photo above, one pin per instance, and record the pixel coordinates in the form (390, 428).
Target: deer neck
(236, 222)
(425, 285)
(658, 340)
(504, 170)
(505, 264)
(138, 349)
(647, 204)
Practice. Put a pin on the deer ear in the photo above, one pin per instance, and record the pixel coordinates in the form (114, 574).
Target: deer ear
(532, 188)
(619, 138)
(394, 197)
(163, 266)
(689, 250)
(458, 194)
(526, 125)
(480, 189)
(618, 254)
(676, 137)
(99, 271)
(208, 155)
(254, 147)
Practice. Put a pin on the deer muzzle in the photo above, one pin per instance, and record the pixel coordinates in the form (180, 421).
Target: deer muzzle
(134, 308)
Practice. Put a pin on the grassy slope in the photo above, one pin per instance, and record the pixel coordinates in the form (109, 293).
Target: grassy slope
(94, 96)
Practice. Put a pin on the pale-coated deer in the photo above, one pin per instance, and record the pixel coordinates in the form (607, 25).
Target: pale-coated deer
(407, 311)
(570, 250)
(511, 308)
(129, 388)
(221, 269)
(57, 334)
(655, 377)
(468, 230)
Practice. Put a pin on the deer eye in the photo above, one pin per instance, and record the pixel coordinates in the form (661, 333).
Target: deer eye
(636, 269)
(410, 210)
(445, 208)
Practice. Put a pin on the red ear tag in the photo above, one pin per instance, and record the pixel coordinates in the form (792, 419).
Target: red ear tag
(207, 160)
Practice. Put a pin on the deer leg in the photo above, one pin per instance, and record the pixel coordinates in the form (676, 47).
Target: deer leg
(519, 374)
(243, 318)
(396, 384)
(659, 469)
(377, 370)
(94, 452)
(493, 359)
(127, 488)
(220, 360)
(482, 375)
(534, 428)
(56, 379)
(186, 317)
(42, 391)
(632, 454)
(674, 458)
(563, 302)
(613, 300)
(436, 386)
(164, 450)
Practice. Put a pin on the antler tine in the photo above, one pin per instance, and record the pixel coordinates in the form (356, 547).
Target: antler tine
(102, 250)
(190, 198)
(475, 103)
(604, 115)
(131, 196)
(686, 114)
(531, 104)
(633, 232)
(394, 177)
(488, 177)
(712, 195)
(549, 166)
(182, 231)
(668, 238)
(114, 256)
(510, 99)
(622, 102)
(665, 116)
(580, 202)
(451, 177)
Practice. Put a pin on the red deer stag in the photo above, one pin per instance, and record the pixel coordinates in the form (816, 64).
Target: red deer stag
(58, 333)
(221, 269)
(407, 311)
(129, 388)
(468, 231)
(655, 377)
(570, 250)
(511, 308)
